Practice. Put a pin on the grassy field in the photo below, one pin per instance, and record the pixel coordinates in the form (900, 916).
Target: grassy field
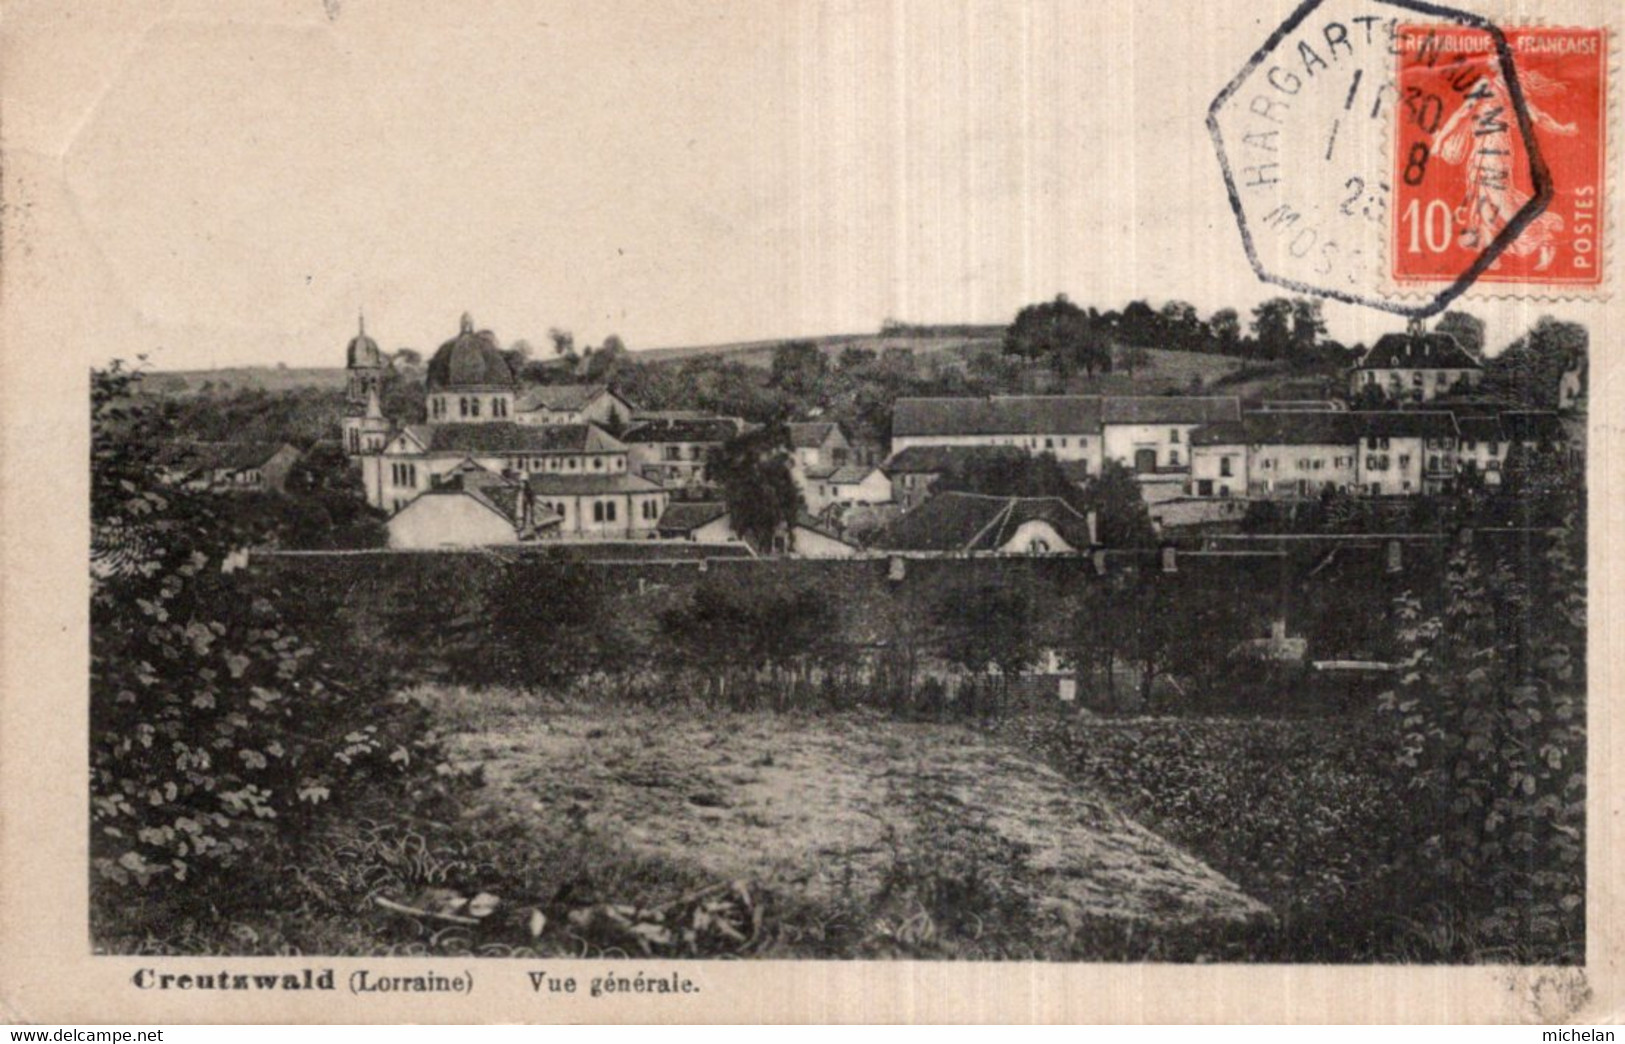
(606, 830)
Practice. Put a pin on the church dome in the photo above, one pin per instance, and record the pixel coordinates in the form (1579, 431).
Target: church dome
(468, 362)
(363, 350)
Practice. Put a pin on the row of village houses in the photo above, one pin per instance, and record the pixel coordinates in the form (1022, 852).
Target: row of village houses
(499, 463)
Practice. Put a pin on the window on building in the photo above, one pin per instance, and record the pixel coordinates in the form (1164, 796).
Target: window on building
(609, 511)
(1173, 436)
(1303, 463)
(1049, 444)
(462, 406)
(574, 463)
(598, 463)
(1495, 449)
(1224, 467)
(673, 453)
(474, 406)
(1173, 458)
(1404, 460)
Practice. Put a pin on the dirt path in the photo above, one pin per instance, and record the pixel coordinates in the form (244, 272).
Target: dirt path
(816, 806)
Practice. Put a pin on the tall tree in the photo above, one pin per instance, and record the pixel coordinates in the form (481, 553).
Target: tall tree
(1530, 369)
(1308, 326)
(1226, 327)
(753, 471)
(1272, 327)
(799, 369)
(1060, 332)
(1468, 330)
(1121, 517)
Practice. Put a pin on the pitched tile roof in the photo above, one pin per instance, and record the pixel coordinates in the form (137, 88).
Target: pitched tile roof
(512, 437)
(559, 397)
(810, 434)
(709, 429)
(1170, 409)
(1404, 424)
(686, 516)
(998, 415)
(499, 494)
(550, 484)
(849, 474)
(194, 456)
(1428, 351)
(1324, 428)
(932, 460)
(973, 522)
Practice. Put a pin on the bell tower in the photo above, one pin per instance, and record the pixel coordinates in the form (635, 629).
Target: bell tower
(363, 392)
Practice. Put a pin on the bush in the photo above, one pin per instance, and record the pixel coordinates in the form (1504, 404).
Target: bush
(1490, 720)
(216, 729)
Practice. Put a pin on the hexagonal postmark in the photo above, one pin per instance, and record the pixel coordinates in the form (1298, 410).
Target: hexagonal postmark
(1305, 135)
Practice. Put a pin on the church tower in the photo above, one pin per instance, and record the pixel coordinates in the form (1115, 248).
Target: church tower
(364, 422)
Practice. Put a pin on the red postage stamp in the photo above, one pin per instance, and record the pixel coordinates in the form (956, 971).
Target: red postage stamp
(1462, 171)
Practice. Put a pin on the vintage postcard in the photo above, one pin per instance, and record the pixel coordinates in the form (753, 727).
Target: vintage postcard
(782, 510)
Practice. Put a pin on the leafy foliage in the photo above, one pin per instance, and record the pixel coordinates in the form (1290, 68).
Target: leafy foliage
(1490, 720)
(1062, 334)
(753, 471)
(217, 728)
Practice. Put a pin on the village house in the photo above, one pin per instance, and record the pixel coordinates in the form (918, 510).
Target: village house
(1416, 367)
(470, 507)
(1066, 426)
(228, 466)
(1404, 452)
(1150, 434)
(1571, 387)
(1487, 439)
(1303, 454)
(674, 452)
(1280, 454)
(818, 447)
(974, 523)
(600, 506)
(848, 484)
(573, 404)
(913, 471)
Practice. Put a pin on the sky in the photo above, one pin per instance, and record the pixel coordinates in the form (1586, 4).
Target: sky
(231, 184)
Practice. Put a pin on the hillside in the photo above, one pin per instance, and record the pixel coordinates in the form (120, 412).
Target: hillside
(1154, 372)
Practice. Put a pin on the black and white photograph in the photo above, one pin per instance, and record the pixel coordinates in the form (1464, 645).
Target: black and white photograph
(663, 485)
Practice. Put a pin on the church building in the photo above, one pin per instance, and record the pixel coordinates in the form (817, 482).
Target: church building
(365, 426)
(576, 472)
